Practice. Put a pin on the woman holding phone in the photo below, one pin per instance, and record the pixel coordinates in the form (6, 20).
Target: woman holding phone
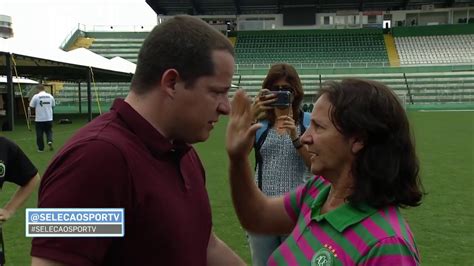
(281, 162)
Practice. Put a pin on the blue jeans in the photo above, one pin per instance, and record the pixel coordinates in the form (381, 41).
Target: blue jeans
(262, 246)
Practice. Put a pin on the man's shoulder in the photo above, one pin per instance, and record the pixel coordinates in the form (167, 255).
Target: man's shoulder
(43, 93)
(91, 148)
(7, 145)
(34, 96)
(107, 128)
(47, 94)
(6, 148)
(5, 142)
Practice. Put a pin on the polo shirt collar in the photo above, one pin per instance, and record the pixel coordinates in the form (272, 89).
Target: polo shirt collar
(151, 138)
(341, 217)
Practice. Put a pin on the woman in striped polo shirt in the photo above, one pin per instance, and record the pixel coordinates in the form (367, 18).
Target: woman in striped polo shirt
(365, 168)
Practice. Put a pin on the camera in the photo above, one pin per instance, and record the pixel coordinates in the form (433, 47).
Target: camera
(283, 99)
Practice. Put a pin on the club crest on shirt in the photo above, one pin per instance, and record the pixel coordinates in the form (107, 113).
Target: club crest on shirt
(323, 257)
(3, 169)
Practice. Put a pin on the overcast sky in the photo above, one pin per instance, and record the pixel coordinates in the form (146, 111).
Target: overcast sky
(46, 23)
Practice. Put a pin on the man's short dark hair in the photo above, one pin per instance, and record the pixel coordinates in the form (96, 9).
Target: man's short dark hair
(184, 43)
(386, 169)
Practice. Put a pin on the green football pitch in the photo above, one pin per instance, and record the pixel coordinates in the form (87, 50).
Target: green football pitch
(443, 225)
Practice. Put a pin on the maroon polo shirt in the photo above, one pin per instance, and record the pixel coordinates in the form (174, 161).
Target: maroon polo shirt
(120, 161)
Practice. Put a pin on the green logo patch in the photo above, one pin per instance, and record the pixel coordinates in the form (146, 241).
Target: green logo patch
(323, 257)
(3, 169)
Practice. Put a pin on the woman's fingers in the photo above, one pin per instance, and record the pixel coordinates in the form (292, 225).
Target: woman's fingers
(240, 128)
(286, 118)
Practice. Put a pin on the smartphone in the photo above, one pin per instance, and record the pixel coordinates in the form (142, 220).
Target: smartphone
(283, 99)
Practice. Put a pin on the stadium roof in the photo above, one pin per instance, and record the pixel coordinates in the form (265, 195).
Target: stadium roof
(236, 7)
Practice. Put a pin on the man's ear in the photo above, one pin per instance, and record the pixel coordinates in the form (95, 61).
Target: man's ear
(357, 145)
(168, 81)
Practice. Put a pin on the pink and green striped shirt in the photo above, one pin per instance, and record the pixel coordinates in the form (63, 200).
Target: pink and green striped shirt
(344, 236)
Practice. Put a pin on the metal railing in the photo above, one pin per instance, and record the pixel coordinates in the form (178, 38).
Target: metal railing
(336, 65)
(317, 65)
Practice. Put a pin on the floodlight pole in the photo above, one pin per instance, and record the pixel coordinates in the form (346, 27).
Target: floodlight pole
(89, 95)
(79, 95)
(10, 95)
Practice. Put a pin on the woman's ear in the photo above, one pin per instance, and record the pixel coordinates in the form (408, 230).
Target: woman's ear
(357, 145)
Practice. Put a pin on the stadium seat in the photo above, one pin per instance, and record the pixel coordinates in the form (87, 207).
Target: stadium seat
(311, 46)
(435, 49)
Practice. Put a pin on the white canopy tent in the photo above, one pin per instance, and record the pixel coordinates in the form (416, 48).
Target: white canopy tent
(54, 64)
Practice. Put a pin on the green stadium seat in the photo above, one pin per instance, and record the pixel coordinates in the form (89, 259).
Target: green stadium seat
(312, 46)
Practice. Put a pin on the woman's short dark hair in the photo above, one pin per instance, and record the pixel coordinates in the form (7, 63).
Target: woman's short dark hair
(184, 43)
(290, 75)
(386, 169)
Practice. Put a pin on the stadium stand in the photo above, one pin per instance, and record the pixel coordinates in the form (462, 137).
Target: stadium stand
(427, 66)
(390, 45)
(109, 44)
(311, 46)
(444, 44)
(112, 44)
(70, 100)
(415, 90)
(436, 49)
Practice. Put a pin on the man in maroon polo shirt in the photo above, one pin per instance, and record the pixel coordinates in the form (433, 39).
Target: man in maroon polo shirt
(138, 157)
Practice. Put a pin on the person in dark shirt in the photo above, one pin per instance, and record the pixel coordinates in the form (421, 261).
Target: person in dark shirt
(15, 167)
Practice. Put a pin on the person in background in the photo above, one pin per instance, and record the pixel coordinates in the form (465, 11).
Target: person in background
(365, 167)
(281, 161)
(15, 167)
(43, 104)
(139, 156)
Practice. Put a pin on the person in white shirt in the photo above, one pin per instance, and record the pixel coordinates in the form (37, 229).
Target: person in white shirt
(43, 104)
